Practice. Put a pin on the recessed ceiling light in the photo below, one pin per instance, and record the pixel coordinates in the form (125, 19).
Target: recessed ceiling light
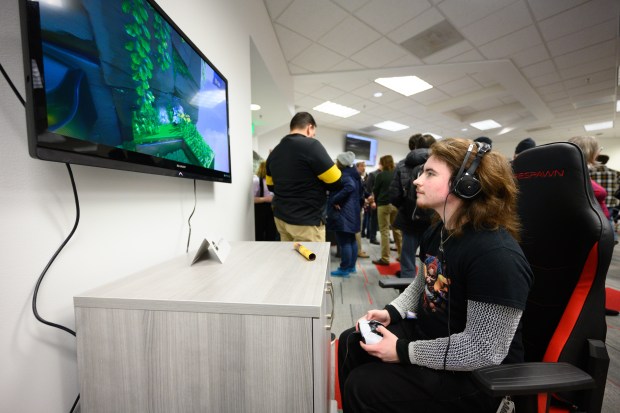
(335, 109)
(378, 94)
(485, 124)
(254, 106)
(599, 126)
(405, 85)
(464, 130)
(391, 126)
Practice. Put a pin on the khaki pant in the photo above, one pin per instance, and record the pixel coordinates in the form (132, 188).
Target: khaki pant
(290, 232)
(386, 214)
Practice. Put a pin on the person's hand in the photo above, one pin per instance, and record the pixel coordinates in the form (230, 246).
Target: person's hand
(337, 207)
(373, 205)
(381, 316)
(385, 350)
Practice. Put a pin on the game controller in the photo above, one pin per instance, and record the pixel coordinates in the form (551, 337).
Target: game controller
(368, 330)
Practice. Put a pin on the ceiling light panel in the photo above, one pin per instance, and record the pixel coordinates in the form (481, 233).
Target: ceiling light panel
(391, 126)
(485, 124)
(599, 126)
(405, 85)
(335, 109)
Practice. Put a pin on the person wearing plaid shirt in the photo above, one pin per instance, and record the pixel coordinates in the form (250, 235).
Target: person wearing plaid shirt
(610, 180)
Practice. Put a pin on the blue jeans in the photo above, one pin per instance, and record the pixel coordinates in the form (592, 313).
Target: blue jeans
(411, 240)
(348, 249)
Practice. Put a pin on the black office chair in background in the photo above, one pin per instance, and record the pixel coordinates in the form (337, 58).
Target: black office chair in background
(569, 243)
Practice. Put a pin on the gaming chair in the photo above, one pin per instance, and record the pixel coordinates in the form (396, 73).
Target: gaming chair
(569, 243)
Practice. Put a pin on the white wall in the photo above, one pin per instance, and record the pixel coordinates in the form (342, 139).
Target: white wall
(128, 220)
(332, 140)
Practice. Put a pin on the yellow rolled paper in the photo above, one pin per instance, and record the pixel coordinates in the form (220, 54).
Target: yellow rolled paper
(309, 255)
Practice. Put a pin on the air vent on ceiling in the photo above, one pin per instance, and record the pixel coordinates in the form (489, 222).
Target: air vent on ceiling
(433, 39)
(370, 129)
(538, 129)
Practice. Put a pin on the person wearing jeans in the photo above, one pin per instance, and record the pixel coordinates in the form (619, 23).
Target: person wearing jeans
(343, 214)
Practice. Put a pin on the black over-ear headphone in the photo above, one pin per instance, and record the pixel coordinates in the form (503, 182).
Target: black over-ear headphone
(465, 185)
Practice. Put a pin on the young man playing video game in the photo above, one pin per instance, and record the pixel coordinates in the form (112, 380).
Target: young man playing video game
(463, 309)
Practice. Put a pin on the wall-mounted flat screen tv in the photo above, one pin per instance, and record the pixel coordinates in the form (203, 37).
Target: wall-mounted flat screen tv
(364, 148)
(116, 84)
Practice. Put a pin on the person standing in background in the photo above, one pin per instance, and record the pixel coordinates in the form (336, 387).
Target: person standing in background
(299, 172)
(343, 213)
(264, 224)
(411, 220)
(608, 178)
(386, 212)
(361, 169)
(373, 224)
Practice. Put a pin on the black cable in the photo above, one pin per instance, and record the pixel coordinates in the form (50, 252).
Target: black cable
(77, 220)
(190, 219)
(8, 79)
(36, 288)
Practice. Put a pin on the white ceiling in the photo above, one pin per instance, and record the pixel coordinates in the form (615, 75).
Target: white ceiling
(541, 68)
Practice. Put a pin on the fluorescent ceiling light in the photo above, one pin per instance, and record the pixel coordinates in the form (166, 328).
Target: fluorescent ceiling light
(405, 85)
(378, 94)
(335, 109)
(617, 105)
(599, 126)
(434, 135)
(485, 124)
(254, 106)
(391, 126)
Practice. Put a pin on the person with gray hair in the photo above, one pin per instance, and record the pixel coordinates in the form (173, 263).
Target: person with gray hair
(343, 214)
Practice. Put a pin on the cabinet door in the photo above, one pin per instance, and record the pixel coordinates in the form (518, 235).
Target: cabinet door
(322, 351)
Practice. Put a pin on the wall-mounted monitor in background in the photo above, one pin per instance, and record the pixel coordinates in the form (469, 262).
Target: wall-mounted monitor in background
(116, 84)
(364, 148)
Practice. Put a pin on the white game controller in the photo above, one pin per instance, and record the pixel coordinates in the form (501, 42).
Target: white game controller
(368, 329)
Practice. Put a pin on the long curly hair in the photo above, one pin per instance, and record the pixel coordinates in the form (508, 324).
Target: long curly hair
(496, 205)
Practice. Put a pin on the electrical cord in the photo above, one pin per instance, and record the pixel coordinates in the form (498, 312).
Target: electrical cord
(77, 219)
(49, 263)
(189, 223)
(8, 79)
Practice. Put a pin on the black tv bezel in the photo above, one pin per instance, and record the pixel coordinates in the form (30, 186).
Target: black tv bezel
(81, 152)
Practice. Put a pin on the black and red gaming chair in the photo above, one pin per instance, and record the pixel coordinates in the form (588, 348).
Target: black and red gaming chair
(568, 242)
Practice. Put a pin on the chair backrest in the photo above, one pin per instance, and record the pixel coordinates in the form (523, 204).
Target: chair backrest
(568, 242)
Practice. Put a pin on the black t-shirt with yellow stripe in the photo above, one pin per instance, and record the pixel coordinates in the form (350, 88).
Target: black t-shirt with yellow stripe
(299, 171)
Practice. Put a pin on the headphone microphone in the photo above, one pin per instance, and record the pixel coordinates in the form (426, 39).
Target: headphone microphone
(466, 185)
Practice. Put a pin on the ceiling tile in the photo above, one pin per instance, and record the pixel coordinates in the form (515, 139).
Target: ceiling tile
(546, 9)
(319, 17)
(510, 19)
(588, 68)
(584, 38)
(449, 53)
(510, 44)
(530, 56)
(291, 43)
(349, 36)
(379, 53)
(317, 58)
(579, 18)
(538, 69)
(276, 7)
(586, 55)
(463, 13)
(472, 55)
(385, 19)
(351, 5)
(346, 66)
(417, 25)
(459, 86)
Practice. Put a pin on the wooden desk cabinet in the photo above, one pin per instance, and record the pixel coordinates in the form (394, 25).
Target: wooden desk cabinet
(248, 335)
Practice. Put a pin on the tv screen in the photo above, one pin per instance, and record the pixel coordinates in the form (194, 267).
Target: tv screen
(364, 148)
(116, 84)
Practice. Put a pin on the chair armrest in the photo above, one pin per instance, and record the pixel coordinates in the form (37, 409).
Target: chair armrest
(399, 283)
(598, 364)
(531, 378)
